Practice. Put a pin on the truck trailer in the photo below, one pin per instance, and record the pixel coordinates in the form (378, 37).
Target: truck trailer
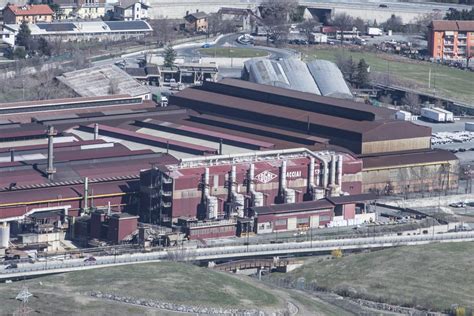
(437, 115)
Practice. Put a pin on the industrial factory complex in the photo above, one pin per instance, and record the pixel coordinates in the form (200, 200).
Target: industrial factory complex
(224, 159)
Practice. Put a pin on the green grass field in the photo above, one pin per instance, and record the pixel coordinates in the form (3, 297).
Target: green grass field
(232, 52)
(449, 82)
(433, 276)
(166, 281)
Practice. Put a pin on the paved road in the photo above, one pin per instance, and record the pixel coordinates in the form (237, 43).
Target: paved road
(234, 252)
(230, 40)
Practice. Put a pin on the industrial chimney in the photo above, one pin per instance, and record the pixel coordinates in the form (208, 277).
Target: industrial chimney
(50, 170)
(96, 131)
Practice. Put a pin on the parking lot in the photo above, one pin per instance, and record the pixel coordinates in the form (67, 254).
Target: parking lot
(453, 137)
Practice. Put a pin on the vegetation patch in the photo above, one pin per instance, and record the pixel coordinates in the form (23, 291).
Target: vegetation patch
(432, 276)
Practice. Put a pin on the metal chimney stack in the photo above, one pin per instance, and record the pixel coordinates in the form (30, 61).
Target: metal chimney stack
(50, 170)
(96, 131)
(12, 154)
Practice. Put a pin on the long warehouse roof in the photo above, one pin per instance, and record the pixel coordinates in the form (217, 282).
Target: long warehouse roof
(291, 98)
(271, 114)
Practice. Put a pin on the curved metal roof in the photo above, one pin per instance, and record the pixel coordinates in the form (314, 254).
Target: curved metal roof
(329, 79)
(287, 73)
(320, 77)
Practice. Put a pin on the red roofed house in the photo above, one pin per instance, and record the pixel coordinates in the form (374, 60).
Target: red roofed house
(13, 14)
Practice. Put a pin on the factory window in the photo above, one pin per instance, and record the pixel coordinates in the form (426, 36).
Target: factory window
(324, 218)
(338, 210)
(304, 220)
(280, 222)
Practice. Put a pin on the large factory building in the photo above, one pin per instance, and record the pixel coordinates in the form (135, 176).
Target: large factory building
(226, 186)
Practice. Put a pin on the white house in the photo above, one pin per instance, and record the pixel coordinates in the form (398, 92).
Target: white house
(130, 10)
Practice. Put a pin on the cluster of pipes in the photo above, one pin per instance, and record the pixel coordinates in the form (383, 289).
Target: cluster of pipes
(327, 181)
(329, 178)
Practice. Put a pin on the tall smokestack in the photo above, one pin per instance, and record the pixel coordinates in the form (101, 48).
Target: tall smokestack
(50, 170)
(12, 154)
(333, 169)
(325, 173)
(96, 131)
(86, 194)
(220, 146)
(311, 173)
(340, 161)
(251, 185)
(283, 175)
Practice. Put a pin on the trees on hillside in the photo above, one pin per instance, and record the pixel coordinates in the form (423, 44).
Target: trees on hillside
(454, 14)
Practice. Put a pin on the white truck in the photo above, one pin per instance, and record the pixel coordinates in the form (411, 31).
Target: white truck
(318, 38)
(437, 115)
(374, 31)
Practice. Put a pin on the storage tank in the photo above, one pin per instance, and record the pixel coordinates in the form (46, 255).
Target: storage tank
(469, 126)
(257, 198)
(4, 235)
(212, 207)
(319, 194)
(290, 196)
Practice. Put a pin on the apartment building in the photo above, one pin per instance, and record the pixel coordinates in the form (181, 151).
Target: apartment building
(451, 40)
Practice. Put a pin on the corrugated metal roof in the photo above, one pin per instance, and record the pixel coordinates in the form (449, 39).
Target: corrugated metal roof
(201, 132)
(291, 98)
(407, 158)
(294, 207)
(329, 79)
(287, 73)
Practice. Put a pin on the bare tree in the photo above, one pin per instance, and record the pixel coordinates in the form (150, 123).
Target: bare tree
(275, 15)
(359, 24)
(163, 31)
(343, 22)
(412, 101)
(394, 23)
(308, 27)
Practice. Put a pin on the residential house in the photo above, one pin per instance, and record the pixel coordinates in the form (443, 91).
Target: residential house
(80, 9)
(130, 10)
(195, 22)
(241, 19)
(13, 14)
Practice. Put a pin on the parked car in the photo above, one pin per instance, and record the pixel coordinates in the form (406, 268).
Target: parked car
(458, 205)
(206, 45)
(11, 266)
(90, 259)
